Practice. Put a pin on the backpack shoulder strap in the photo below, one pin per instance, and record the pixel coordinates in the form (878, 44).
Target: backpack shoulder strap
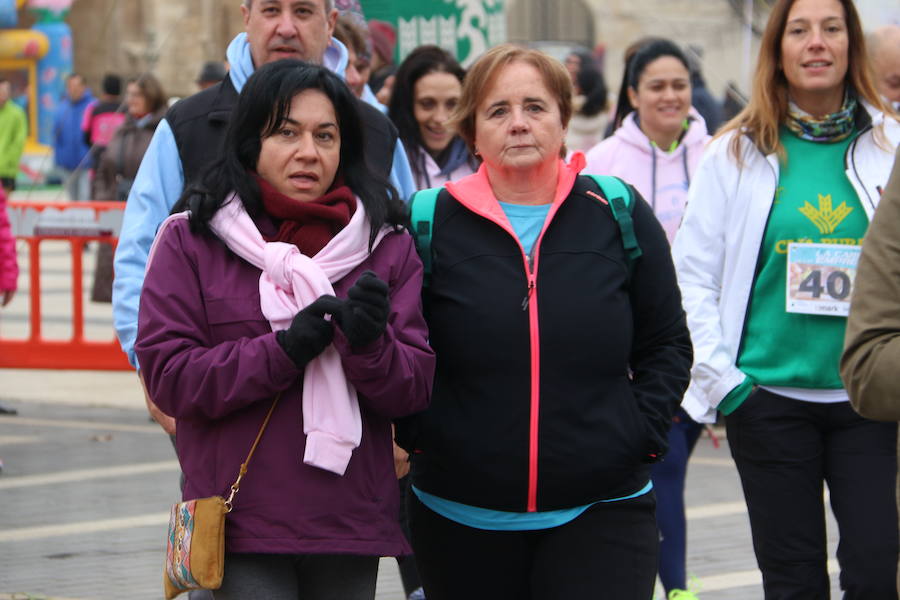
(421, 216)
(621, 203)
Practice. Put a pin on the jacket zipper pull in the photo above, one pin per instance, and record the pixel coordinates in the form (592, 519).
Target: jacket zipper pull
(528, 294)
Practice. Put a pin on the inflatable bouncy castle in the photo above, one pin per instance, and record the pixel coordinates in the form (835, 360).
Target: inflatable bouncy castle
(36, 61)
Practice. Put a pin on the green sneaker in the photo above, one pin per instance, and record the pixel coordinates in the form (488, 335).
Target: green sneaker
(682, 595)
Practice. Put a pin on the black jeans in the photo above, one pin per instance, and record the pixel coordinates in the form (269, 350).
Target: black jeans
(785, 450)
(610, 551)
(409, 574)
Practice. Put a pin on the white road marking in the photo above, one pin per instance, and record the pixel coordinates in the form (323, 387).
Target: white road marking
(24, 596)
(81, 475)
(720, 509)
(9, 440)
(23, 534)
(712, 462)
(74, 424)
(726, 581)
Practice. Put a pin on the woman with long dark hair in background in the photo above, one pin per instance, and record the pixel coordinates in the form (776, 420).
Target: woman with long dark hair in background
(145, 106)
(427, 88)
(589, 104)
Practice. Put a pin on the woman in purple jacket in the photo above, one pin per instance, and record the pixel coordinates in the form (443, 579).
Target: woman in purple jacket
(290, 275)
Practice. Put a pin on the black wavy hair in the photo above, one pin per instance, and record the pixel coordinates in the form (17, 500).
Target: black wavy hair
(648, 50)
(419, 63)
(264, 104)
(592, 85)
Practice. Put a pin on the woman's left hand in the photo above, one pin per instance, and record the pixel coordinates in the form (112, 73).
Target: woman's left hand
(401, 456)
(401, 461)
(364, 315)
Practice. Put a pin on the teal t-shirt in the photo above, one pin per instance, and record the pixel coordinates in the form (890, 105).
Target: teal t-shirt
(814, 203)
(527, 220)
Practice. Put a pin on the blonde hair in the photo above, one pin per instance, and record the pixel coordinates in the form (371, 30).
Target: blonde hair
(482, 73)
(768, 106)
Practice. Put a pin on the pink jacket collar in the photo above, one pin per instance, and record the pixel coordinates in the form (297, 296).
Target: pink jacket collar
(475, 192)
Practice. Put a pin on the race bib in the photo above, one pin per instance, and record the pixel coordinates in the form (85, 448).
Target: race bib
(820, 278)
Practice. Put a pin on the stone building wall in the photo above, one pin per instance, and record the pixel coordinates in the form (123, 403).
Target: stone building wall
(728, 48)
(170, 38)
(174, 37)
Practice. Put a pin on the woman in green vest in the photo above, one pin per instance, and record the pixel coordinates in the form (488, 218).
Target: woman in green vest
(766, 257)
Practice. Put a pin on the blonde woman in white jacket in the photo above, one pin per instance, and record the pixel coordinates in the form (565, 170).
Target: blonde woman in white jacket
(789, 183)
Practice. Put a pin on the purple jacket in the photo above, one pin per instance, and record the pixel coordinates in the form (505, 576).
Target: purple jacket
(210, 360)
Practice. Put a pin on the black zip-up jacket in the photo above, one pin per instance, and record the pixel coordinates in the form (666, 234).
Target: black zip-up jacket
(556, 380)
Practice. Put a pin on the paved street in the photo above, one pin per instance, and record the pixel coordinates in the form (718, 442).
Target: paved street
(85, 491)
(87, 480)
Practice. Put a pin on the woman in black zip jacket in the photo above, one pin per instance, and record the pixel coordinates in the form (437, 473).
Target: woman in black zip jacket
(561, 359)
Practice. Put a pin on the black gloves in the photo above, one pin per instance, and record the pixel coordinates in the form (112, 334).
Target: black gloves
(309, 332)
(364, 314)
(362, 318)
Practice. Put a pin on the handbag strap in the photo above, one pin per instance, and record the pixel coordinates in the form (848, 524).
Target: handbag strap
(237, 482)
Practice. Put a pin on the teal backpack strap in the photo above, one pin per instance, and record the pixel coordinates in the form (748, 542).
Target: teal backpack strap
(621, 203)
(421, 217)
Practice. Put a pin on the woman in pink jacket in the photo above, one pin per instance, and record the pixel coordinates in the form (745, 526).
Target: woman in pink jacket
(9, 268)
(9, 272)
(661, 139)
(656, 149)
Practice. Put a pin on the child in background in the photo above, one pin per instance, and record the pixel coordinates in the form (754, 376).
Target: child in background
(9, 271)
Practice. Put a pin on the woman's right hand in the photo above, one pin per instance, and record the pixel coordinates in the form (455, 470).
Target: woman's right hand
(164, 420)
(309, 333)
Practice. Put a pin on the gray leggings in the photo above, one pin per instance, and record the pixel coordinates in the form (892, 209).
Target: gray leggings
(298, 577)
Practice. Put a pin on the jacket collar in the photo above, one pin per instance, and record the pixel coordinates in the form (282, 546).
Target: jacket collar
(631, 133)
(475, 191)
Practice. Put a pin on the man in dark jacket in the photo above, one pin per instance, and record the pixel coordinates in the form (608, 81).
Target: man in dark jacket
(186, 142)
(872, 344)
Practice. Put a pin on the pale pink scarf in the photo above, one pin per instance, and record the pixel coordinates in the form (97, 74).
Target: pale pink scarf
(290, 281)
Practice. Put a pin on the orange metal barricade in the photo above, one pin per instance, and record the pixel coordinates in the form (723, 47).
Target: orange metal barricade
(77, 223)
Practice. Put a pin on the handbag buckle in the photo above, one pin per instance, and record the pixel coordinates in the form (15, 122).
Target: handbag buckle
(234, 488)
